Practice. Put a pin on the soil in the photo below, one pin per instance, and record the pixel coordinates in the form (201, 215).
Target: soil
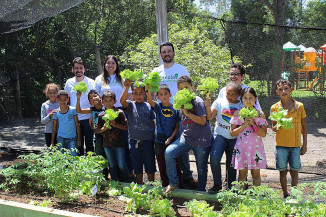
(19, 137)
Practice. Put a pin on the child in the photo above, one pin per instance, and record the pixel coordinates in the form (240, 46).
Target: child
(249, 151)
(113, 141)
(167, 126)
(95, 101)
(68, 130)
(196, 135)
(141, 131)
(223, 109)
(288, 142)
(48, 109)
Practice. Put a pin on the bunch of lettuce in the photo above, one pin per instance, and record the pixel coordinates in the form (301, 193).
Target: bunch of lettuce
(110, 115)
(183, 99)
(153, 80)
(132, 75)
(208, 85)
(81, 87)
(246, 112)
(280, 118)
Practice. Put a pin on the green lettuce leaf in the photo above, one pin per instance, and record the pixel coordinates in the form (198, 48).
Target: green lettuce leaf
(208, 85)
(81, 87)
(110, 115)
(182, 99)
(248, 113)
(280, 118)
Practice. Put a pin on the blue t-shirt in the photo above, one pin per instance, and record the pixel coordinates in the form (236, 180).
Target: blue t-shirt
(140, 120)
(66, 123)
(196, 134)
(166, 119)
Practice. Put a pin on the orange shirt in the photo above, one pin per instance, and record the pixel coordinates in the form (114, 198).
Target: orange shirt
(291, 137)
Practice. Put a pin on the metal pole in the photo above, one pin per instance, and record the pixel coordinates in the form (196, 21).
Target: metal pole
(162, 24)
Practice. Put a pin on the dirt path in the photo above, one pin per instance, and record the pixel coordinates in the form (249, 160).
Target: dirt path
(28, 135)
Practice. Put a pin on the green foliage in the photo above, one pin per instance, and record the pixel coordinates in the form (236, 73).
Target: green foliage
(55, 171)
(114, 189)
(201, 209)
(183, 99)
(132, 75)
(81, 87)
(280, 118)
(110, 115)
(162, 208)
(208, 85)
(153, 81)
(246, 112)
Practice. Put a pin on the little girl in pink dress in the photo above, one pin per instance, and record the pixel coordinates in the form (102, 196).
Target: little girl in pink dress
(249, 151)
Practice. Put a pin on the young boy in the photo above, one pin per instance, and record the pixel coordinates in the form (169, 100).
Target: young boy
(223, 109)
(113, 141)
(288, 142)
(196, 135)
(167, 126)
(68, 130)
(141, 131)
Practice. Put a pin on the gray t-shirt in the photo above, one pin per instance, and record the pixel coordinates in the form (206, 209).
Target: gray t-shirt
(196, 134)
(140, 120)
(46, 109)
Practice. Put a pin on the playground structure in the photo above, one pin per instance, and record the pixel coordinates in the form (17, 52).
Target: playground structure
(305, 67)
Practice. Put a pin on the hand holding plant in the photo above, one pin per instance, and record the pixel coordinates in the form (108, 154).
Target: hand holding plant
(81, 87)
(280, 118)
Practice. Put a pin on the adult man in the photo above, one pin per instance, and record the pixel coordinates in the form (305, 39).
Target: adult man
(78, 69)
(169, 72)
(237, 74)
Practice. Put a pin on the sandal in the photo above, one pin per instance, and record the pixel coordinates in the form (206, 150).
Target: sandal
(170, 188)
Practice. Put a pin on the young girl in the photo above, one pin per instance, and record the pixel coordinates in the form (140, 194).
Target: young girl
(249, 151)
(48, 109)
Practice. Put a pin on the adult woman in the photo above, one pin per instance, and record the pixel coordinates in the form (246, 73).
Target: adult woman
(110, 79)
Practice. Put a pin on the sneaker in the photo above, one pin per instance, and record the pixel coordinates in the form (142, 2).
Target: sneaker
(215, 189)
(190, 184)
(170, 188)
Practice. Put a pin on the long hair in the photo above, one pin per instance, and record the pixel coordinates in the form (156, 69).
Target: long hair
(105, 73)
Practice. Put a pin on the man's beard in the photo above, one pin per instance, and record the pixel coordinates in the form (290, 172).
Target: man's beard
(168, 61)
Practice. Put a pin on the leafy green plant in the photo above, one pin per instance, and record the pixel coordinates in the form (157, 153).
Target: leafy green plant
(132, 75)
(55, 171)
(246, 112)
(110, 115)
(114, 189)
(136, 199)
(153, 80)
(200, 209)
(162, 208)
(208, 85)
(183, 99)
(81, 87)
(280, 118)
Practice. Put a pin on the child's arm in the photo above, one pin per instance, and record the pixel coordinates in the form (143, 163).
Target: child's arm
(262, 130)
(149, 96)
(54, 130)
(100, 125)
(209, 111)
(199, 120)
(78, 131)
(123, 99)
(175, 131)
(78, 108)
(123, 123)
(303, 149)
(236, 129)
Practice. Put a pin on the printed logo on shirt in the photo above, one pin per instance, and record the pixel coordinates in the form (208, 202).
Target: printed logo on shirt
(189, 121)
(170, 78)
(167, 112)
(228, 113)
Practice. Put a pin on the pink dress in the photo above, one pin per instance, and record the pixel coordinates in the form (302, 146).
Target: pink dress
(249, 149)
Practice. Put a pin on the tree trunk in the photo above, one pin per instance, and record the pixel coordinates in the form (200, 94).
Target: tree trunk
(162, 24)
(19, 103)
(98, 60)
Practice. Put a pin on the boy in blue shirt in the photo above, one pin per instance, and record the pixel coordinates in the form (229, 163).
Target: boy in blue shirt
(141, 131)
(196, 135)
(167, 126)
(68, 130)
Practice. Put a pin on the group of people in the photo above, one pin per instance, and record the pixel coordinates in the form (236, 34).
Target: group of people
(153, 129)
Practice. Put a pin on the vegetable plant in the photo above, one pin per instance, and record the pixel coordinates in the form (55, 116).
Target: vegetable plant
(162, 208)
(246, 112)
(207, 86)
(183, 99)
(110, 115)
(132, 75)
(153, 80)
(81, 87)
(280, 118)
(200, 209)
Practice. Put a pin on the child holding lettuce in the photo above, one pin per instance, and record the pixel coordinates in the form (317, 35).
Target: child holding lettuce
(113, 141)
(288, 141)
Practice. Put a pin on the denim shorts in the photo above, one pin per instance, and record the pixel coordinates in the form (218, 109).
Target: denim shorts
(142, 155)
(285, 155)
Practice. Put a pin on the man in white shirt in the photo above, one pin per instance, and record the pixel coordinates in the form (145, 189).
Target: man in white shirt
(169, 72)
(78, 69)
(237, 74)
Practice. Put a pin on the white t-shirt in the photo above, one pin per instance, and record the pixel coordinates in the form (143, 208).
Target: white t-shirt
(114, 85)
(84, 102)
(170, 76)
(222, 94)
(224, 114)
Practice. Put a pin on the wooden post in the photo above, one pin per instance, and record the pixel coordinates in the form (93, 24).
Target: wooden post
(98, 60)
(161, 24)
(19, 101)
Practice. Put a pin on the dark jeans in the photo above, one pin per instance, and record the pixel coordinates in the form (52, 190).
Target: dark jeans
(117, 160)
(219, 146)
(142, 155)
(86, 134)
(99, 150)
(48, 137)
